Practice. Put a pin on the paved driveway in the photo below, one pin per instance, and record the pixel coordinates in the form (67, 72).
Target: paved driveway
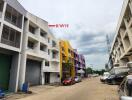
(89, 89)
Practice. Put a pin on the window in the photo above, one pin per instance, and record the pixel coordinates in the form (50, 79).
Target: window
(30, 44)
(1, 5)
(46, 63)
(31, 29)
(13, 16)
(54, 55)
(14, 19)
(48, 40)
(48, 52)
(10, 36)
(53, 44)
(8, 13)
(41, 47)
(5, 33)
(43, 34)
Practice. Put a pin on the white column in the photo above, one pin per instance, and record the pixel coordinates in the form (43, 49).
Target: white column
(3, 15)
(14, 72)
(22, 71)
(42, 72)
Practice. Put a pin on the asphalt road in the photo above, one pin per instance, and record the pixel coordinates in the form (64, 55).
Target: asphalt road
(88, 89)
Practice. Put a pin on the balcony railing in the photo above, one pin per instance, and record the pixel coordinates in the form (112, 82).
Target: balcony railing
(11, 43)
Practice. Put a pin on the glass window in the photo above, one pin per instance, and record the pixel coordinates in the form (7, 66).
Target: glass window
(13, 16)
(48, 40)
(42, 47)
(12, 35)
(1, 5)
(43, 34)
(48, 52)
(30, 44)
(46, 63)
(5, 33)
(14, 19)
(31, 29)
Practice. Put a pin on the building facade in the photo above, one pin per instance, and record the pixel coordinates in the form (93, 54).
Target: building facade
(28, 50)
(121, 51)
(11, 33)
(79, 63)
(40, 53)
(67, 68)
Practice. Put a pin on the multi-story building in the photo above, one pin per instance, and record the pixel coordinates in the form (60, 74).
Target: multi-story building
(121, 51)
(40, 53)
(11, 33)
(28, 51)
(79, 63)
(67, 68)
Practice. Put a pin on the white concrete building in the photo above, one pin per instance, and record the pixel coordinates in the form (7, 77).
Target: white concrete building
(40, 53)
(11, 33)
(28, 51)
(121, 51)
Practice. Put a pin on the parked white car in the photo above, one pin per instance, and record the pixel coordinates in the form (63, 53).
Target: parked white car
(78, 79)
(104, 77)
(126, 98)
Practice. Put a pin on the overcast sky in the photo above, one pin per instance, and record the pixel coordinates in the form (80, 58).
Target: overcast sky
(89, 22)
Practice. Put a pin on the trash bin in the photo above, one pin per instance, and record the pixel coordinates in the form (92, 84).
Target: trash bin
(2, 94)
(25, 87)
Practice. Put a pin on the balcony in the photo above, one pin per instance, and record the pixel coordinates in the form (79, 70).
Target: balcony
(32, 46)
(55, 57)
(126, 42)
(52, 68)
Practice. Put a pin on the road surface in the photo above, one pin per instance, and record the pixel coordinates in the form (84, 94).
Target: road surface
(88, 89)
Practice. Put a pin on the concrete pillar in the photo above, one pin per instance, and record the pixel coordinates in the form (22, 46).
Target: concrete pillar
(42, 72)
(2, 19)
(22, 33)
(22, 71)
(37, 45)
(14, 72)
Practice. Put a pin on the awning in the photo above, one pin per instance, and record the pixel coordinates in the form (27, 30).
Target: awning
(80, 71)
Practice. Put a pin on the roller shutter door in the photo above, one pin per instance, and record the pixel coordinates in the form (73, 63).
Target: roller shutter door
(5, 65)
(33, 72)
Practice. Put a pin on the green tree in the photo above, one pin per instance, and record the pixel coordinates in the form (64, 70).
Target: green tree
(89, 70)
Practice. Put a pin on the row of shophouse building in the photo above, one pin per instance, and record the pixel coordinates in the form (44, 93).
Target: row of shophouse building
(121, 50)
(29, 52)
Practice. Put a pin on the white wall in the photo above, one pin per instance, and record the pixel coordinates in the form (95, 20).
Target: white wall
(14, 73)
(54, 77)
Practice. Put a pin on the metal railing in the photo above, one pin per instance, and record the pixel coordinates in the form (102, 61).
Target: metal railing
(11, 43)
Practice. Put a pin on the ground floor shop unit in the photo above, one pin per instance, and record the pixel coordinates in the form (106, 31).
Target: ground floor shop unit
(9, 69)
(33, 72)
(51, 77)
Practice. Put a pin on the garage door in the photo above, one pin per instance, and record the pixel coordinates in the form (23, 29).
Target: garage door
(33, 72)
(5, 65)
